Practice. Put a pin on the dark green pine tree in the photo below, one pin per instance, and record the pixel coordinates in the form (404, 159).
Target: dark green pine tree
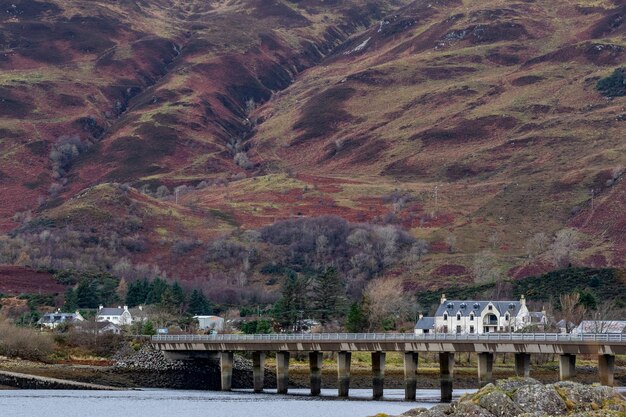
(137, 293)
(328, 295)
(356, 321)
(293, 304)
(157, 289)
(178, 295)
(198, 304)
(71, 300)
(87, 294)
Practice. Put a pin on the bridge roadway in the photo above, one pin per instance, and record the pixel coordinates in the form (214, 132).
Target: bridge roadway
(522, 345)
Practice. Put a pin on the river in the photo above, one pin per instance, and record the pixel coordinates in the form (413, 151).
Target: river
(168, 403)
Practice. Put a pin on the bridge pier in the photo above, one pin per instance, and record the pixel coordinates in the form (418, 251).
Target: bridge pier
(258, 370)
(226, 370)
(282, 372)
(485, 368)
(606, 368)
(446, 369)
(315, 368)
(522, 364)
(378, 374)
(410, 375)
(567, 366)
(343, 373)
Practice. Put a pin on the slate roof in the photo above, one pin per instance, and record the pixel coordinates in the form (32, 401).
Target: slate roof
(601, 326)
(425, 323)
(465, 307)
(57, 318)
(109, 311)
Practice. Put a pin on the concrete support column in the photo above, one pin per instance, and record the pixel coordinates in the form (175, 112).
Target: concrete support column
(410, 375)
(606, 368)
(258, 370)
(485, 368)
(522, 364)
(315, 367)
(378, 374)
(446, 369)
(226, 370)
(282, 372)
(567, 366)
(343, 373)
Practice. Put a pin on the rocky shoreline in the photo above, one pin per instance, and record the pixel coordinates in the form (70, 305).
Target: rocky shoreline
(527, 397)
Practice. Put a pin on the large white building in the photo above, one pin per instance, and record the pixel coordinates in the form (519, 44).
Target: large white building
(478, 316)
(119, 316)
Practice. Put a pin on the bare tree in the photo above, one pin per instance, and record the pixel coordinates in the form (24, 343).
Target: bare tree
(451, 242)
(571, 310)
(564, 247)
(387, 300)
(536, 245)
(485, 268)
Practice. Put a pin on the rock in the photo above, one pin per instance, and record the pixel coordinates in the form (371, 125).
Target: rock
(513, 384)
(519, 397)
(542, 398)
(468, 409)
(499, 404)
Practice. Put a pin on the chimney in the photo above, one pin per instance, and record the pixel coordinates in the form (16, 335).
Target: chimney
(522, 300)
(101, 307)
(119, 306)
(125, 308)
(140, 308)
(443, 298)
(421, 316)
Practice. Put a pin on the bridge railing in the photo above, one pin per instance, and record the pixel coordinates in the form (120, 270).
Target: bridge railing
(396, 337)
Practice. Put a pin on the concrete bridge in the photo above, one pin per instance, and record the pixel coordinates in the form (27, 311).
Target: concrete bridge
(522, 345)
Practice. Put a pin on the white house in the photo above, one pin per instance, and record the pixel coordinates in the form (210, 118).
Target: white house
(210, 323)
(52, 320)
(119, 316)
(601, 326)
(477, 316)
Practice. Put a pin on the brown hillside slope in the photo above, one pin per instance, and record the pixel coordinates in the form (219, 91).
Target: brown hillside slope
(477, 119)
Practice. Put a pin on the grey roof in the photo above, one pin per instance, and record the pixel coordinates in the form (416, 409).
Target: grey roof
(602, 326)
(106, 311)
(57, 318)
(425, 323)
(465, 307)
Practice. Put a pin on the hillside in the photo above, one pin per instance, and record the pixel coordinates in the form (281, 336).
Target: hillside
(172, 137)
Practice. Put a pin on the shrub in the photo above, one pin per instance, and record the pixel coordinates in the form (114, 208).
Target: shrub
(614, 85)
(24, 343)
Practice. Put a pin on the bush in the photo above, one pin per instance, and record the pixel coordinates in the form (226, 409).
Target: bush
(24, 343)
(614, 85)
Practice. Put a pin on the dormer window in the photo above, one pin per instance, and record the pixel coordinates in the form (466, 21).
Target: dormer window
(507, 317)
(458, 316)
(472, 317)
(490, 308)
(445, 316)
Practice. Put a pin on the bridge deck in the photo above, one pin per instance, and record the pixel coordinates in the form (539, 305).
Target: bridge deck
(610, 344)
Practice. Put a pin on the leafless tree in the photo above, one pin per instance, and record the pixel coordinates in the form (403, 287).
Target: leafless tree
(451, 242)
(571, 310)
(536, 245)
(564, 247)
(386, 299)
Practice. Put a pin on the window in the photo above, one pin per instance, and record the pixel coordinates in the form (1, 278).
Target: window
(445, 329)
(490, 308)
(445, 316)
(472, 317)
(507, 317)
(471, 329)
(458, 329)
(458, 316)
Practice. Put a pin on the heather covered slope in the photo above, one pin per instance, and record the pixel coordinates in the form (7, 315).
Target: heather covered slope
(470, 125)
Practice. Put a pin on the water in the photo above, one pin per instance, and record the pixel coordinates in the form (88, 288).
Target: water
(167, 403)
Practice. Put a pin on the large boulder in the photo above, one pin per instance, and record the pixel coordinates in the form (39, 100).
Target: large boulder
(527, 397)
(540, 398)
(498, 403)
